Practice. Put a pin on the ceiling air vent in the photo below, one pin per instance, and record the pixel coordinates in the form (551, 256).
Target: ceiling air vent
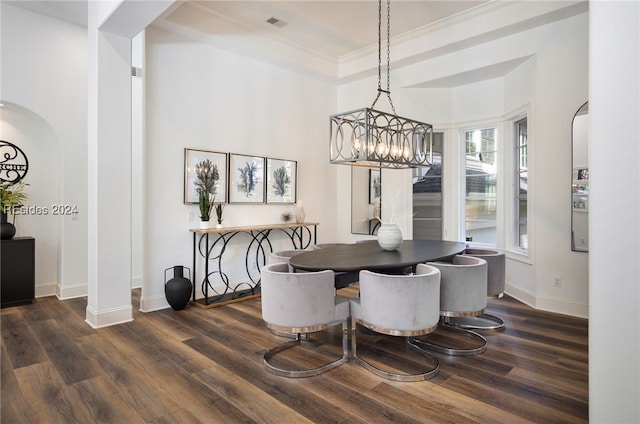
(276, 22)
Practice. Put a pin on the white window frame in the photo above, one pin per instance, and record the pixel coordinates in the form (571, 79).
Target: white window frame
(506, 183)
(497, 126)
(511, 247)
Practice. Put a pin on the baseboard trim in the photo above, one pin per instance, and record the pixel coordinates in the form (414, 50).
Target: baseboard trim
(150, 304)
(136, 282)
(71, 291)
(558, 306)
(46, 290)
(109, 317)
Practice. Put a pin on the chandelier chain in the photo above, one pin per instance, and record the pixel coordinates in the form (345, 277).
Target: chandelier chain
(388, 88)
(389, 56)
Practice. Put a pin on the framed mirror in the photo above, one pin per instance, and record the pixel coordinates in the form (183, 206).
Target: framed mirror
(366, 190)
(580, 180)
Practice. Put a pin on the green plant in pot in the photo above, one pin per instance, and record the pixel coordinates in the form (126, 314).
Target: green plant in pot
(206, 205)
(219, 208)
(12, 196)
(207, 176)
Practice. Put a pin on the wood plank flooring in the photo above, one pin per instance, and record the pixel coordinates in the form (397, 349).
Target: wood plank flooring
(205, 366)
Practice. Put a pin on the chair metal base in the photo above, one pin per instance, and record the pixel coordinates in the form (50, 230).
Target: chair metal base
(307, 372)
(395, 376)
(305, 336)
(454, 351)
(486, 322)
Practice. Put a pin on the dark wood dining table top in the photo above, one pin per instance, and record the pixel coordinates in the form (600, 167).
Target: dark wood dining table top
(370, 256)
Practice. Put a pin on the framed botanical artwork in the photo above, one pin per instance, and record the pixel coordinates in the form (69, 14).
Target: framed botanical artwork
(204, 168)
(375, 186)
(246, 178)
(281, 181)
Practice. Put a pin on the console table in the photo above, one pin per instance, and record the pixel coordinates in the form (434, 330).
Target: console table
(211, 244)
(18, 271)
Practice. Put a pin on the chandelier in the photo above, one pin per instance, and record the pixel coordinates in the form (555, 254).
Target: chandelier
(369, 137)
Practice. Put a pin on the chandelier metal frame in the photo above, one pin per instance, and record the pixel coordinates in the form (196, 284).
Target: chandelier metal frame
(370, 137)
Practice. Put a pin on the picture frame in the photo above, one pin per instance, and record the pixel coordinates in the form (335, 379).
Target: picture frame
(194, 157)
(375, 186)
(583, 174)
(580, 203)
(580, 190)
(282, 180)
(246, 178)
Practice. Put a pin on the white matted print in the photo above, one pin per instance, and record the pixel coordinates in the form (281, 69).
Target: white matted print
(194, 159)
(281, 180)
(246, 179)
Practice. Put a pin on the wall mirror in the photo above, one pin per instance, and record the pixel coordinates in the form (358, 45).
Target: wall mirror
(366, 190)
(580, 180)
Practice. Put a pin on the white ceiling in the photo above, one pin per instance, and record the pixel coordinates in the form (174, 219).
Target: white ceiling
(74, 11)
(315, 36)
(334, 28)
(330, 28)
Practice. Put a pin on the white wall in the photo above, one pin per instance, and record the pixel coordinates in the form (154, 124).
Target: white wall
(614, 225)
(199, 96)
(47, 89)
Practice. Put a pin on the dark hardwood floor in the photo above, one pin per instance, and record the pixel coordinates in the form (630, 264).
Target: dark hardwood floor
(205, 366)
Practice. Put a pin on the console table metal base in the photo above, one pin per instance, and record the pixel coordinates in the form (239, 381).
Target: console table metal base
(209, 245)
(225, 299)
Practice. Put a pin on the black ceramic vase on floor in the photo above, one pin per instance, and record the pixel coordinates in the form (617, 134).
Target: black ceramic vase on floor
(8, 229)
(178, 289)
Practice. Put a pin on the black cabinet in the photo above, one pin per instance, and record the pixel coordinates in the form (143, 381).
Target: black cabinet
(17, 268)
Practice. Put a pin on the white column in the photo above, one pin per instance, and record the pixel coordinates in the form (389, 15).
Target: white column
(109, 176)
(111, 26)
(614, 208)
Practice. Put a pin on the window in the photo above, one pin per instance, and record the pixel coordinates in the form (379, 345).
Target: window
(427, 195)
(480, 185)
(521, 186)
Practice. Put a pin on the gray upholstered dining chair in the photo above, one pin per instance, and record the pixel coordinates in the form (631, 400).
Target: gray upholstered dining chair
(398, 305)
(495, 289)
(283, 256)
(299, 304)
(463, 292)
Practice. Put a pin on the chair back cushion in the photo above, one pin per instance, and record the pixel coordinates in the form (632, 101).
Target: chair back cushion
(496, 269)
(297, 299)
(282, 256)
(463, 285)
(399, 302)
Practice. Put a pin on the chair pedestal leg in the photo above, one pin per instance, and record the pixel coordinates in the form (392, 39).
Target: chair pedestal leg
(306, 372)
(454, 351)
(486, 322)
(391, 375)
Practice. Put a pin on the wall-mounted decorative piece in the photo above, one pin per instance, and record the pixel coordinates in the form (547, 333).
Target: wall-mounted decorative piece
(246, 179)
(375, 186)
(13, 163)
(580, 190)
(216, 162)
(281, 181)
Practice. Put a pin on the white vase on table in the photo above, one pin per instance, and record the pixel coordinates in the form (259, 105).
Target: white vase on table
(389, 236)
(300, 215)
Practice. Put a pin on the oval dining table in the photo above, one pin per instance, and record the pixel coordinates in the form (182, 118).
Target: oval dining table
(352, 258)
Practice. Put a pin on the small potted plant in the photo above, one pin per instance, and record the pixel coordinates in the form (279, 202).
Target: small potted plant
(219, 208)
(12, 196)
(206, 204)
(207, 176)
